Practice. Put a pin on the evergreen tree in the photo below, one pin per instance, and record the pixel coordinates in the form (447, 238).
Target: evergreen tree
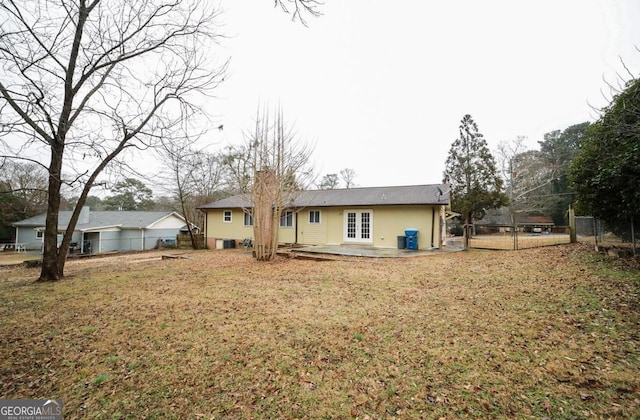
(606, 170)
(556, 154)
(130, 194)
(472, 175)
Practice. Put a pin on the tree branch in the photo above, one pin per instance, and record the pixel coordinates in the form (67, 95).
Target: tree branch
(299, 7)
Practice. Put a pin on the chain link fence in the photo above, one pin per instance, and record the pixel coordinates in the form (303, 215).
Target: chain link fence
(504, 237)
(93, 246)
(619, 239)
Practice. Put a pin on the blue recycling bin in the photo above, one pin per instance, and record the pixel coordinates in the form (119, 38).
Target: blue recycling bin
(412, 239)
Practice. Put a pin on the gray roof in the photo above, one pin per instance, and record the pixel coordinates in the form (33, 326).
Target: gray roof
(521, 219)
(434, 194)
(101, 219)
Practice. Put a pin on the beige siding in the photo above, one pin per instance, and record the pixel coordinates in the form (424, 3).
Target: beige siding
(336, 226)
(217, 228)
(287, 235)
(330, 231)
(389, 222)
(312, 233)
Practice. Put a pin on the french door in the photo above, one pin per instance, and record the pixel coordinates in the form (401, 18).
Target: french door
(358, 226)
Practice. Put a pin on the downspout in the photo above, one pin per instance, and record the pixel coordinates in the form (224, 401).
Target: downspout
(142, 238)
(295, 239)
(205, 239)
(442, 226)
(433, 225)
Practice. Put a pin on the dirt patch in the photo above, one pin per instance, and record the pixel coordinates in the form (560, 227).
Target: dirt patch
(550, 332)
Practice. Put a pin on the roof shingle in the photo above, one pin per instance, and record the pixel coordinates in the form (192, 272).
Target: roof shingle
(433, 194)
(98, 219)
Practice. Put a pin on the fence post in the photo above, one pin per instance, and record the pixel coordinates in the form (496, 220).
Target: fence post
(572, 226)
(514, 230)
(633, 237)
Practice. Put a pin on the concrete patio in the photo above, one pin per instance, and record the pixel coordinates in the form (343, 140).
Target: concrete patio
(368, 251)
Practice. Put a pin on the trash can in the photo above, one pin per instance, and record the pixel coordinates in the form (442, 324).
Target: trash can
(402, 242)
(412, 238)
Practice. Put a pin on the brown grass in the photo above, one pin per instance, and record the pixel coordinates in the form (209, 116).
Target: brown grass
(16, 258)
(549, 332)
(505, 242)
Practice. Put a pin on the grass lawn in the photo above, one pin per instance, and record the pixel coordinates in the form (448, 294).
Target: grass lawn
(14, 258)
(550, 332)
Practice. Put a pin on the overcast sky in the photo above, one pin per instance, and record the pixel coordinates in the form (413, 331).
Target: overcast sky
(381, 87)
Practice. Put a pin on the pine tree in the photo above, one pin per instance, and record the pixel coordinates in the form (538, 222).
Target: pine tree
(472, 175)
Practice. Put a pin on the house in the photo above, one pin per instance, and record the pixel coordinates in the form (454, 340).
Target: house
(374, 216)
(500, 221)
(101, 231)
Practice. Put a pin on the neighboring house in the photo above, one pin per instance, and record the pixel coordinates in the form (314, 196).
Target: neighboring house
(500, 221)
(373, 216)
(101, 231)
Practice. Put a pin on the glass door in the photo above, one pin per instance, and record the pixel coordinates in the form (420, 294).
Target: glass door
(358, 226)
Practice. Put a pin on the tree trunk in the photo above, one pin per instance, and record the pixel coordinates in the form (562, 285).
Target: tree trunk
(265, 215)
(572, 226)
(194, 243)
(54, 258)
(51, 268)
(467, 230)
(514, 229)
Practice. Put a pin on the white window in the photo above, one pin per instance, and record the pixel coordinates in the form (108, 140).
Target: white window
(39, 234)
(226, 216)
(314, 216)
(248, 219)
(286, 219)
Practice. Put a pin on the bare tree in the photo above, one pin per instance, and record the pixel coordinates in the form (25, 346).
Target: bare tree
(210, 181)
(194, 177)
(509, 163)
(329, 182)
(537, 180)
(298, 8)
(238, 168)
(182, 162)
(27, 182)
(23, 193)
(87, 80)
(281, 170)
(348, 176)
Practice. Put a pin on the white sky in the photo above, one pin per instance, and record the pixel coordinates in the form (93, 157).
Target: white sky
(381, 87)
